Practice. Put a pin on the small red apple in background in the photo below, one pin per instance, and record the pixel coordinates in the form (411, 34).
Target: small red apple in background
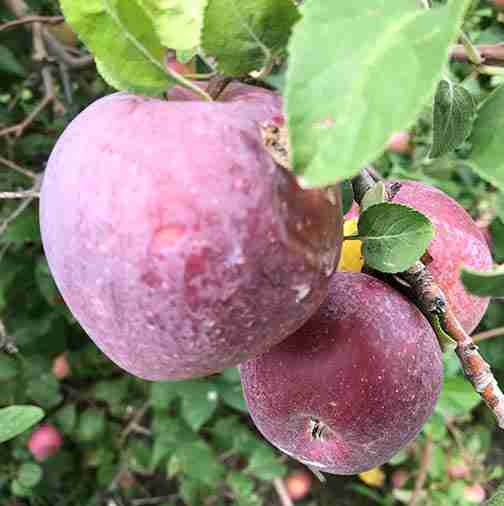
(298, 484)
(459, 470)
(351, 387)
(400, 143)
(45, 442)
(399, 478)
(499, 4)
(61, 367)
(474, 493)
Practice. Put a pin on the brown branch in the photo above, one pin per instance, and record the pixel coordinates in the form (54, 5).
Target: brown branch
(488, 334)
(20, 195)
(492, 54)
(14, 166)
(431, 300)
(425, 462)
(282, 493)
(49, 20)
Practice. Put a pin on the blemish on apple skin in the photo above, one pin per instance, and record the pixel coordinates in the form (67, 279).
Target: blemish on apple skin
(166, 237)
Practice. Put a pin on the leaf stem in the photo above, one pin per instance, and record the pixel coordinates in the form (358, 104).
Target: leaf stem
(472, 52)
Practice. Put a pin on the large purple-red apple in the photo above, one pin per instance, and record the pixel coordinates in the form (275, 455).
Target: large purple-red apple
(458, 241)
(352, 386)
(174, 238)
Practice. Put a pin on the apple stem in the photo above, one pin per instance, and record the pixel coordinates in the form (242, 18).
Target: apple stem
(217, 85)
(431, 300)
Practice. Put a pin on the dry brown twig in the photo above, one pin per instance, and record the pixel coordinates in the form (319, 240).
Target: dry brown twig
(282, 493)
(431, 300)
(50, 20)
(492, 54)
(425, 463)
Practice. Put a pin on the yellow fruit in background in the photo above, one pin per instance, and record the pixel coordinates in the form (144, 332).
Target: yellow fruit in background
(374, 477)
(351, 253)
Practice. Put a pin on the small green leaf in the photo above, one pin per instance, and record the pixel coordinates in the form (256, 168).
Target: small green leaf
(232, 395)
(91, 425)
(393, 236)
(9, 368)
(246, 35)
(483, 284)
(457, 398)
(199, 402)
(198, 461)
(14, 420)
(122, 37)
(66, 418)
(29, 474)
(487, 157)
(9, 63)
(497, 499)
(177, 22)
(375, 195)
(345, 59)
(454, 114)
(163, 393)
(264, 464)
(242, 488)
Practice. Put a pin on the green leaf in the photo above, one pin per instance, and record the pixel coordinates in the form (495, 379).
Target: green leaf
(483, 284)
(246, 35)
(497, 499)
(454, 114)
(14, 420)
(347, 196)
(9, 63)
(91, 425)
(9, 368)
(199, 462)
(122, 37)
(375, 195)
(393, 236)
(112, 392)
(199, 402)
(242, 488)
(163, 393)
(66, 418)
(45, 391)
(346, 58)
(232, 395)
(446, 342)
(29, 474)
(264, 464)
(457, 398)
(487, 157)
(437, 467)
(177, 22)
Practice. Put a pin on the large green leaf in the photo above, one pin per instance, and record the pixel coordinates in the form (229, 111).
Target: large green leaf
(487, 157)
(358, 72)
(454, 113)
(14, 420)
(245, 35)
(177, 22)
(393, 236)
(128, 52)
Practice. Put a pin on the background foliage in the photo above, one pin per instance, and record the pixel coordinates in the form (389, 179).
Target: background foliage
(130, 442)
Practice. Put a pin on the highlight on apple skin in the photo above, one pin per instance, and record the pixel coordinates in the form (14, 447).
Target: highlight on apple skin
(351, 387)
(177, 242)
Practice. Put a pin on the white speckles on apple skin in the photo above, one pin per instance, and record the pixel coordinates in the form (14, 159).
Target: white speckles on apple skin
(159, 217)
